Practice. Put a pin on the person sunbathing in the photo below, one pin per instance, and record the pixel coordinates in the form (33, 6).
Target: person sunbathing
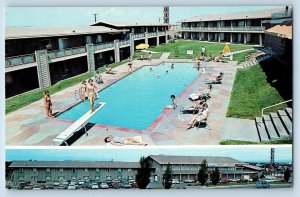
(109, 70)
(98, 78)
(120, 141)
(215, 78)
(199, 117)
(198, 105)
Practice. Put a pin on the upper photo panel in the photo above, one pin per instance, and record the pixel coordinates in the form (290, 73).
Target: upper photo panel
(146, 76)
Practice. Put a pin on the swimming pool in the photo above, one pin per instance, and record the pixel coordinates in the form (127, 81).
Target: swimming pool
(137, 100)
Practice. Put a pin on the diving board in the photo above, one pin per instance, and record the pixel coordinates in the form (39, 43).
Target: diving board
(73, 128)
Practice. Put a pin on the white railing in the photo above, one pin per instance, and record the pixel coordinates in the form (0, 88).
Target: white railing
(234, 28)
(18, 60)
(66, 52)
(262, 111)
(124, 42)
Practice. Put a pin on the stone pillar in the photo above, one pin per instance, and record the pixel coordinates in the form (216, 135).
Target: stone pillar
(43, 70)
(117, 50)
(219, 37)
(167, 38)
(260, 40)
(245, 38)
(208, 36)
(90, 57)
(146, 37)
(157, 40)
(231, 38)
(131, 42)
(132, 30)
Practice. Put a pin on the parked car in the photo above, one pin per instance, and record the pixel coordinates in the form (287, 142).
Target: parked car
(56, 183)
(36, 187)
(175, 181)
(232, 180)
(95, 186)
(48, 187)
(189, 181)
(80, 182)
(116, 185)
(62, 186)
(224, 181)
(86, 185)
(125, 185)
(103, 185)
(134, 185)
(262, 184)
(242, 181)
(208, 182)
(72, 186)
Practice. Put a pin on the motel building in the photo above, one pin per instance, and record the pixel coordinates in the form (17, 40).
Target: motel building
(184, 168)
(241, 27)
(40, 57)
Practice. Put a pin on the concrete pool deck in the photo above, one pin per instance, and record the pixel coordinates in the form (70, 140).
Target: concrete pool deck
(29, 126)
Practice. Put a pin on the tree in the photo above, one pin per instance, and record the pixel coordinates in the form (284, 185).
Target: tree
(215, 176)
(202, 175)
(287, 175)
(143, 173)
(167, 177)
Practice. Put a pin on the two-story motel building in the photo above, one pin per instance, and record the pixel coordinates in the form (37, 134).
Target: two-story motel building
(40, 57)
(183, 167)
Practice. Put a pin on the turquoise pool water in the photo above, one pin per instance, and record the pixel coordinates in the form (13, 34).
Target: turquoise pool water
(137, 100)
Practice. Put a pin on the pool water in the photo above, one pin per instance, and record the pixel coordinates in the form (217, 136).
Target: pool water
(138, 99)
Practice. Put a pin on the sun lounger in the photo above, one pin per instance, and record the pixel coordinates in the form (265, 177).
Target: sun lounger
(72, 129)
(188, 110)
(217, 81)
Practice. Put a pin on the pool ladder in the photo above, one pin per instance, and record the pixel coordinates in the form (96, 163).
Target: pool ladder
(77, 95)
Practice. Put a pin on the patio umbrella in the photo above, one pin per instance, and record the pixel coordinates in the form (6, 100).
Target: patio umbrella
(142, 46)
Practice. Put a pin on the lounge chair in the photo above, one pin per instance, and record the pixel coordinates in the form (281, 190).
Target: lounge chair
(218, 80)
(188, 110)
(73, 128)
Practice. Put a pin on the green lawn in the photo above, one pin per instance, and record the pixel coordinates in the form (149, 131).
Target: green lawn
(137, 54)
(251, 92)
(183, 45)
(240, 57)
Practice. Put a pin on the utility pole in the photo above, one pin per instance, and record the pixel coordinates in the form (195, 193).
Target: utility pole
(159, 19)
(166, 14)
(95, 17)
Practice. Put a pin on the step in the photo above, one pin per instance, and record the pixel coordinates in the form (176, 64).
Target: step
(261, 130)
(289, 112)
(270, 128)
(279, 126)
(287, 123)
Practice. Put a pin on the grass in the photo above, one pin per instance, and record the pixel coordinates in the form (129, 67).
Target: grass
(250, 93)
(287, 140)
(183, 45)
(137, 54)
(240, 57)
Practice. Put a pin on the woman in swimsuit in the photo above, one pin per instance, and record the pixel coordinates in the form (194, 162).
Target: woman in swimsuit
(120, 141)
(48, 104)
(91, 90)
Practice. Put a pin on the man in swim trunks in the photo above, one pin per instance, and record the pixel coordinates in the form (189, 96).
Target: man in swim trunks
(91, 90)
(48, 104)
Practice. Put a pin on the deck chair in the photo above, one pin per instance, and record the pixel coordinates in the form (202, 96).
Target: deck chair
(217, 81)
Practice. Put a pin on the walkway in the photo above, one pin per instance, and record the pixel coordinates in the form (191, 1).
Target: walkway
(164, 56)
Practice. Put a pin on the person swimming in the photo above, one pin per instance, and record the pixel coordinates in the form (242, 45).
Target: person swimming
(150, 69)
(172, 66)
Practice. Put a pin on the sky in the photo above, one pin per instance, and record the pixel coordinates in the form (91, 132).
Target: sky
(245, 154)
(77, 16)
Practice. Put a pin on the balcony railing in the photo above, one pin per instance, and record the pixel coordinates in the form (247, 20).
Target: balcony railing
(140, 35)
(124, 42)
(66, 52)
(103, 45)
(247, 28)
(18, 60)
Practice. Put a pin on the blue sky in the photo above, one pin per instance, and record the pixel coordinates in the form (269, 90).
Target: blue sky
(74, 16)
(246, 154)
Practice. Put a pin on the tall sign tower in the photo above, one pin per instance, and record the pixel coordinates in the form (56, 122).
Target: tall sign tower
(166, 14)
(272, 157)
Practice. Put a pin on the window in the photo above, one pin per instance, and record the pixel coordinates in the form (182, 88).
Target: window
(48, 178)
(88, 39)
(34, 170)
(48, 170)
(61, 177)
(119, 170)
(97, 170)
(99, 38)
(108, 177)
(21, 178)
(97, 178)
(33, 177)
(86, 177)
(129, 170)
(21, 170)
(86, 170)
(73, 170)
(61, 170)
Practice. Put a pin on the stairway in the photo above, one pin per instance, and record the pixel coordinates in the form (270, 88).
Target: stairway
(275, 126)
(255, 58)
